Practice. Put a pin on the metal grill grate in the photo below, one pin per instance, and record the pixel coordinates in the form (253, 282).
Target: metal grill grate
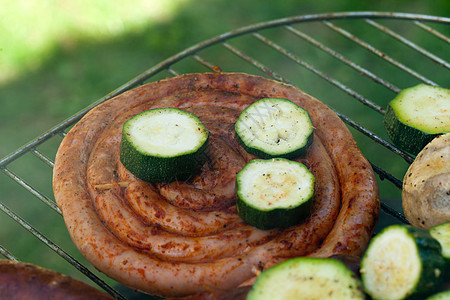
(405, 49)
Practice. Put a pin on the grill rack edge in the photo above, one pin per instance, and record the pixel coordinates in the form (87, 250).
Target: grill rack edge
(169, 66)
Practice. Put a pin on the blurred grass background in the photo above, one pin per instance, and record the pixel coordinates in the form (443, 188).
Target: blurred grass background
(57, 57)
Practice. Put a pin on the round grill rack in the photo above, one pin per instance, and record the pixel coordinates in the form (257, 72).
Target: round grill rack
(383, 53)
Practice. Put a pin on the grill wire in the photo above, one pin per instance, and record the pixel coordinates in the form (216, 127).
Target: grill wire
(198, 61)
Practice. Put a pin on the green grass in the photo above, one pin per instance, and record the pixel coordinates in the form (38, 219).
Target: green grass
(57, 57)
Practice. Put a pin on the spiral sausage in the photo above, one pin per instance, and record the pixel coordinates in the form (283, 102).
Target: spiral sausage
(182, 238)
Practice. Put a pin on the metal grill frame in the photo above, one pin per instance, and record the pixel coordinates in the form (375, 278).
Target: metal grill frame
(193, 52)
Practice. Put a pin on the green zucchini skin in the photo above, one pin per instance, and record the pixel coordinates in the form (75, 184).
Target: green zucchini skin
(405, 137)
(260, 110)
(432, 260)
(163, 167)
(276, 218)
(431, 264)
(441, 233)
(307, 278)
(400, 120)
(279, 216)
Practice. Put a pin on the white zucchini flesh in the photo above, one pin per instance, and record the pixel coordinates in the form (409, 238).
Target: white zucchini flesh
(274, 127)
(165, 134)
(424, 107)
(276, 183)
(442, 234)
(445, 295)
(307, 278)
(391, 266)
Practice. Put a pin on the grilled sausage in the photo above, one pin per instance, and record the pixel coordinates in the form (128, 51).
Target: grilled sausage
(25, 281)
(145, 236)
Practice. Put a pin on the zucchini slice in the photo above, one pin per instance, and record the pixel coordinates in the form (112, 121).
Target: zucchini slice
(417, 115)
(274, 127)
(163, 144)
(307, 278)
(444, 295)
(274, 193)
(402, 261)
(442, 234)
